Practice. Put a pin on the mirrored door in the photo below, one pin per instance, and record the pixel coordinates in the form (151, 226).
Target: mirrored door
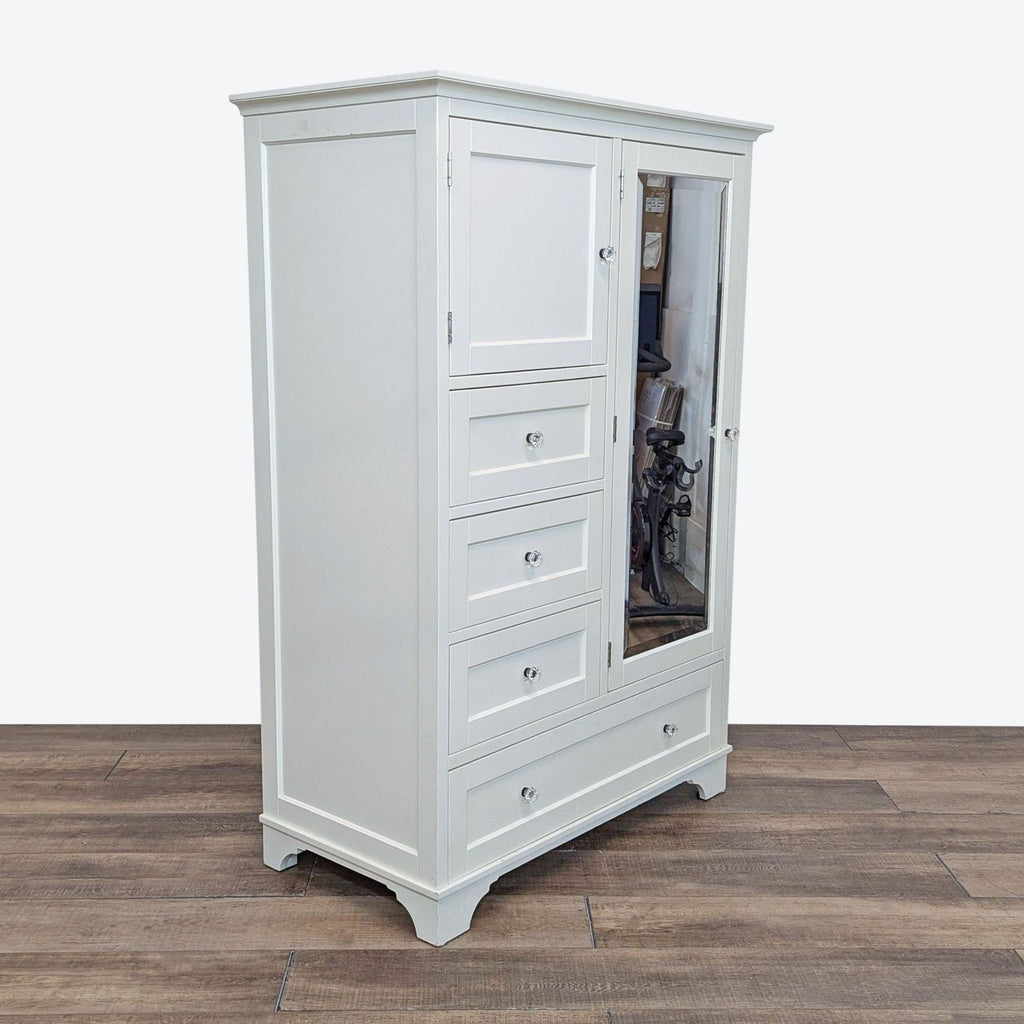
(675, 394)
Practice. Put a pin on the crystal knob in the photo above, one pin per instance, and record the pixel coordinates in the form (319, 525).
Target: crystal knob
(607, 253)
(670, 729)
(534, 439)
(531, 674)
(732, 433)
(533, 557)
(529, 794)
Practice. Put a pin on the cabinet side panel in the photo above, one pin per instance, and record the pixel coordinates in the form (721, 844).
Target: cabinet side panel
(341, 275)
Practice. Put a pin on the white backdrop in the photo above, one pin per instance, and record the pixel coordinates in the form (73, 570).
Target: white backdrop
(879, 527)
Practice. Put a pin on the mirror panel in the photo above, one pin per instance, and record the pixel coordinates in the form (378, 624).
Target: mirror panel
(677, 319)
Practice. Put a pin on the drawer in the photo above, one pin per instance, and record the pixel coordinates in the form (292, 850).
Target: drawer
(508, 800)
(521, 674)
(522, 558)
(511, 440)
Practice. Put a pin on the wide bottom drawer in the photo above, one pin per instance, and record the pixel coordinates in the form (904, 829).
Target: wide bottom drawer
(504, 802)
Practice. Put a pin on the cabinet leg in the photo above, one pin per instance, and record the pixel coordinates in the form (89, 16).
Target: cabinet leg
(280, 851)
(710, 778)
(438, 921)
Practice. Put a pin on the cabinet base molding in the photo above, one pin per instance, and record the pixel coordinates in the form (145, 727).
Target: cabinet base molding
(280, 851)
(709, 777)
(439, 915)
(440, 919)
(283, 842)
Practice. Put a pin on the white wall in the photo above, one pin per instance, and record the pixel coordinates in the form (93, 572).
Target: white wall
(879, 546)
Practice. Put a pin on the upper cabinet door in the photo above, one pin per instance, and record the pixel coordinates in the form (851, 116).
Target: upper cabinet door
(530, 212)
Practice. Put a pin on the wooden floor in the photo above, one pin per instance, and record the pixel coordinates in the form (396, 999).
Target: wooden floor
(847, 876)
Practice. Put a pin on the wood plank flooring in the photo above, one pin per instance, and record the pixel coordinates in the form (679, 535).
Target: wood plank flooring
(849, 875)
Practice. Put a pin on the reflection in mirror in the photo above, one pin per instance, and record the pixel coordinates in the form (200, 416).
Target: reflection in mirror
(677, 327)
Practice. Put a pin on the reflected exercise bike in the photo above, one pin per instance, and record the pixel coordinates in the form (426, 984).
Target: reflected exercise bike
(653, 510)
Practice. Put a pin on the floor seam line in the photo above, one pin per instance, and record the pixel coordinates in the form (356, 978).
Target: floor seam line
(835, 729)
(590, 921)
(116, 763)
(888, 795)
(949, 871)
(309, 877)
(284, 980)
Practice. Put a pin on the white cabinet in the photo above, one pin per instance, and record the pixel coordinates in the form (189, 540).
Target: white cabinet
(496, 352)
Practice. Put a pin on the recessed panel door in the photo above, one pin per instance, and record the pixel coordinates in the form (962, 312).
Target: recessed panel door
(530, 214)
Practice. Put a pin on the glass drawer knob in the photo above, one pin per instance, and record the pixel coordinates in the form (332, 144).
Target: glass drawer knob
(607, 253)
(534, 439)
(533, 558)
(670, 729)
(531, 674)
(529, 794)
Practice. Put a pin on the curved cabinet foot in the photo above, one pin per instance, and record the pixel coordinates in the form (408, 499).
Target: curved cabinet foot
(710, 778)
(280, 851)
(438, 921)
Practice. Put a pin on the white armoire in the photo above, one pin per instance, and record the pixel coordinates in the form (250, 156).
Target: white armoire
(494, 609)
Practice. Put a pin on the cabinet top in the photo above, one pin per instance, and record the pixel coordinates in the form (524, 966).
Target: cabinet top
(469, 87)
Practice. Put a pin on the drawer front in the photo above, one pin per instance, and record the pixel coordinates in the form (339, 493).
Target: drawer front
(522, 558)
(510, 799)
(512, 440)
(521, 674)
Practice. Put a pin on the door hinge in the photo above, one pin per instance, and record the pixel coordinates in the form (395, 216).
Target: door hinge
(615, 429)
(449, 326)
(609, 654)
(449, 168)
(622, 184)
